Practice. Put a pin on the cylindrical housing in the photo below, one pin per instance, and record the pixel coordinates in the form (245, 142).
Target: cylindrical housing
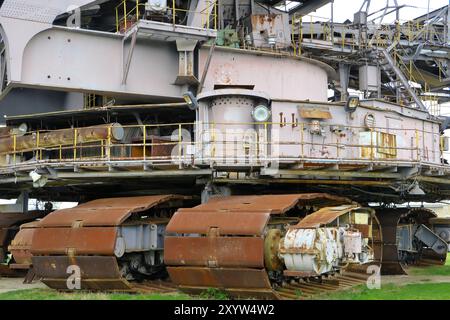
(61, 137)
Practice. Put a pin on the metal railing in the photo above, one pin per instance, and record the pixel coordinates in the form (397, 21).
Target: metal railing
(236, 143)
(127, 16)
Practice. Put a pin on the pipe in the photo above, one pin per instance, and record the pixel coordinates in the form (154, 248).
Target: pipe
(62, 137)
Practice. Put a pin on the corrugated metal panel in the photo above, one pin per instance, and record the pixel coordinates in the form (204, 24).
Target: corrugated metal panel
(214, 252)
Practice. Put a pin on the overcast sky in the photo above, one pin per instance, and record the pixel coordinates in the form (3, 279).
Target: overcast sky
(344, 9)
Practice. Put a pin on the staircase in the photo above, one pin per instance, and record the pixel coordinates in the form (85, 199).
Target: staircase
(406, 95)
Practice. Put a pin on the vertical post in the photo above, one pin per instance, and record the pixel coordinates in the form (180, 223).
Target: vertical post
(137, 10)
(301, 36)
(180, 147)
(37, 146)
(266, 142)
(371, 144)
(60, 153)
(417, 145)
(109, 144)
(15, 148)
(215, 14)
(75, 138)
(206, 14)
(332, 22)
(173, 12)
(337, 145)
(292, 34)
(213, 138)
(302, 126)
(117, 30)
(125, 14)
(144, 134)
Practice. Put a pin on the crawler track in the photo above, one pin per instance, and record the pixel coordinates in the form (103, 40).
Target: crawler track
(233, 252)
(304, 289)
(106, 239)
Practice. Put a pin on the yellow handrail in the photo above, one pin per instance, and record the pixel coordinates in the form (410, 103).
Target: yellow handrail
(125, 15)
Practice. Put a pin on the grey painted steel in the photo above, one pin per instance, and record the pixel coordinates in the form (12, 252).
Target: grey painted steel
(431, 239)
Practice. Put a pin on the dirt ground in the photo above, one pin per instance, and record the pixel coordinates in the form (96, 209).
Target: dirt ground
(408, 279)
(13, 284)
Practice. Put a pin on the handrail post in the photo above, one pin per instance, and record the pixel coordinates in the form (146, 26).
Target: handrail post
(371, 144)
(117, 21)
(109, 144)
(125, 14)
(180, 147)
(173, 12)
(213, 138)
(137, 10)
(417, 145)
(215, 15)
(37, 146)
(266, 142)
(144, 141)
(15, 148)
(75, 137)
(302, 139)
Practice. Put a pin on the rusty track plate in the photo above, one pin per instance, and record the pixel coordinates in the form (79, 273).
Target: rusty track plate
(104, 212)
(324, 216)
(199, 221)
(233, 278)
(16, 219)
(215, 252)
(92, 285)
(275, 204)
(20, 246)
(91, 267)
(97, 273)
(99, 241)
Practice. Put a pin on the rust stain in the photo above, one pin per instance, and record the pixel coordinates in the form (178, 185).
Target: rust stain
(214, 252)
(315, 113)
(200, 221)
(99, 241)
(104, 212)
(324, 216)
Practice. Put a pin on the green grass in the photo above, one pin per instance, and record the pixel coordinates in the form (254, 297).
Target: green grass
(214, 294)
(422, 291)
(48, 294)
(432, 270)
